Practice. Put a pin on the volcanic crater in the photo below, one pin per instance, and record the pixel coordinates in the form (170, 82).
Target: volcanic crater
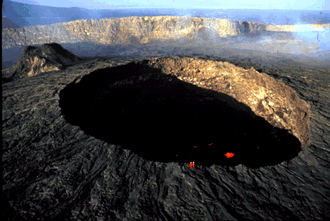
(181, 109)
(112, 139)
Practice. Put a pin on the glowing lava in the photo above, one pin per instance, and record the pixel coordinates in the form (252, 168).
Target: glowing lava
(229, 155)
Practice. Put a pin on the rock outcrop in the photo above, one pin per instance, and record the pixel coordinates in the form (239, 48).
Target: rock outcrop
(37, 60)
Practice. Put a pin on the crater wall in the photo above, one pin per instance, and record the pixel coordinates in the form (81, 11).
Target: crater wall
(127, 30)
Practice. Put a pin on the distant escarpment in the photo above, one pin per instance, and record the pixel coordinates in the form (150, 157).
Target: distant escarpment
(138, 30)
(128, 30)
(165, 35)
(7, 23)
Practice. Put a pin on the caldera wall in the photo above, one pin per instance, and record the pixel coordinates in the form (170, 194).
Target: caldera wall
(127, 30)
(272, 100)
(165, 35)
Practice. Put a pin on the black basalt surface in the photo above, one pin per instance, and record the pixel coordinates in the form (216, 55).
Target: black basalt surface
(80, 145)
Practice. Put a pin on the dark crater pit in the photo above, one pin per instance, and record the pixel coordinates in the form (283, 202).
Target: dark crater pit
(162, 118)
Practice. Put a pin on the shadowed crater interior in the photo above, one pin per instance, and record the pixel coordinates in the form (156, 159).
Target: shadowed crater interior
(162, 118)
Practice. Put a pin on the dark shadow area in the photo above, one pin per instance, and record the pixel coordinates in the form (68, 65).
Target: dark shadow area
(206, 34)
(246, 27)
(164, 119)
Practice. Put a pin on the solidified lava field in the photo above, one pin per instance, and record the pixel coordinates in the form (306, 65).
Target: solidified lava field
(68, 156)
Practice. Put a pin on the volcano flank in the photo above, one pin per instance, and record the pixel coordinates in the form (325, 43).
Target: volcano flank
(112, 139)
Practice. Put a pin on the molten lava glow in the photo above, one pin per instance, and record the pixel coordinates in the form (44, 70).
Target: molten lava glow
(192, 164)
(229, 155)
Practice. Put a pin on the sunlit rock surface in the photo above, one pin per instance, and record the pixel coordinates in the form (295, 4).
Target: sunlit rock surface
(127, 30)
(37, 60)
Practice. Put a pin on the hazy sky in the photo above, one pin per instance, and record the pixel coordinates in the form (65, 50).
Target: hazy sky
(220, 4)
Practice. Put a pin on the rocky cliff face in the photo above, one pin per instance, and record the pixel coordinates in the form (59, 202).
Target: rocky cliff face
(164, 35)
(128, 30)
(142, 36)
